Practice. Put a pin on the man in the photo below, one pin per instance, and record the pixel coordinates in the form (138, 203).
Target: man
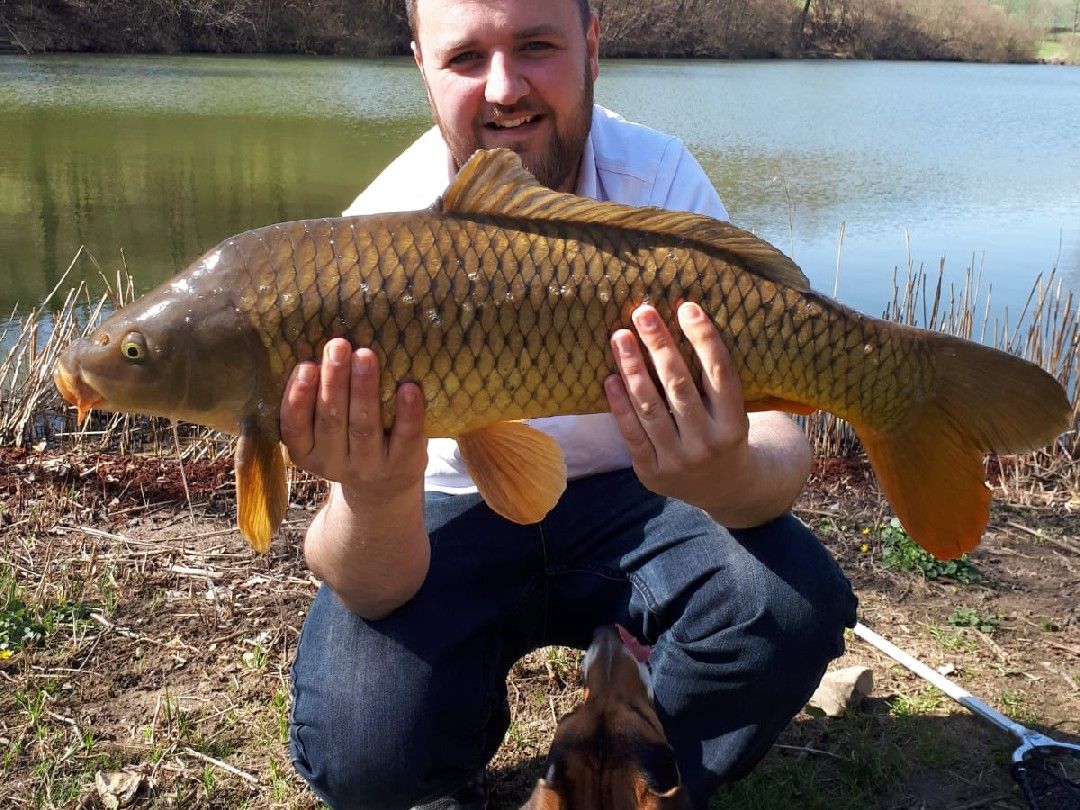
(675, 522)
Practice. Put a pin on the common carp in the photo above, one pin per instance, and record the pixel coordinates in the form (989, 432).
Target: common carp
(499, 301)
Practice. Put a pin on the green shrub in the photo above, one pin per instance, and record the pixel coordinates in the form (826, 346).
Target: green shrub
(900, 552)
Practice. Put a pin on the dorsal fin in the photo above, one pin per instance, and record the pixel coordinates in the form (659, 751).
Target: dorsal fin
(494, 183)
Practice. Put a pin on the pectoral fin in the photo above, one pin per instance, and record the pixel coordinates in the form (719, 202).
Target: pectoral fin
(519, 470)
(262, 487)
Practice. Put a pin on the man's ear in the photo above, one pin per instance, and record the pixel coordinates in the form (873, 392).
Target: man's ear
(592, 44)
(417, 56)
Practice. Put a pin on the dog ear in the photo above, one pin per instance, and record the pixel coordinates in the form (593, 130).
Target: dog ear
(655, 762)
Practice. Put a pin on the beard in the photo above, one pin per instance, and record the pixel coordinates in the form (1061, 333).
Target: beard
(555, 164)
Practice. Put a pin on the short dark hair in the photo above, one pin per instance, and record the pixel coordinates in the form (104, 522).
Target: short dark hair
(410, 12)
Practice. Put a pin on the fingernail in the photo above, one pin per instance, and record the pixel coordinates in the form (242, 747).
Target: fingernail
(618, 344)
(338, 352)
(409, 395)
(361, 363)
(692, 311)
(648, 320)
(305, 372)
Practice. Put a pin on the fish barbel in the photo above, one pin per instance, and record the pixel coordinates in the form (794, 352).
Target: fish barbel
(499, 301)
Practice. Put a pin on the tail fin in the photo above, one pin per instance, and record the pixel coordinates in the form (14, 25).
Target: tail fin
(931, 469)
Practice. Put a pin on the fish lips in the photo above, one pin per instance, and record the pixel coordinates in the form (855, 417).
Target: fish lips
(73, 388)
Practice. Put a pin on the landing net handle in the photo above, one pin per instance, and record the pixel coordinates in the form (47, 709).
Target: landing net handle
(1047, 771)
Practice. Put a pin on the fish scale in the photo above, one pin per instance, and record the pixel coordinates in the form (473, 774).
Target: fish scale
(499, 302)
(540, 326)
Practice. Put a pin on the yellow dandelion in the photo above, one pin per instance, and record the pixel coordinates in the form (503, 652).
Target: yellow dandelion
(864, 548)
(5, 655)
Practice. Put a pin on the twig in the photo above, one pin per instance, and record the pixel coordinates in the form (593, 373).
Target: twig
(63, 719)
(183, 475)
(985, 801)
(195, 572)
(808, 750)
(225, 766)
(1069, 682)
(1057, 645)
(1064, 546)
(989, 642)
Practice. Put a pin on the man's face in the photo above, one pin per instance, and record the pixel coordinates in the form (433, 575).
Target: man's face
(510, 73)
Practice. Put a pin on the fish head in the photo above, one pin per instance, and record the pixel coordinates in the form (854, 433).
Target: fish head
(175, 353)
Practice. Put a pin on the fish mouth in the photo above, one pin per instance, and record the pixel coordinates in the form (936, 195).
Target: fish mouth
(76, 391)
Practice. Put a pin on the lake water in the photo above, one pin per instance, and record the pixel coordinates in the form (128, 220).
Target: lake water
(149, 161)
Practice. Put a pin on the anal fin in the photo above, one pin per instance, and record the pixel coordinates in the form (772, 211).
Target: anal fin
(519, 471)
(262, 486)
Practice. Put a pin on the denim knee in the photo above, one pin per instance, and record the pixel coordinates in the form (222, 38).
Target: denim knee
(381, 720)
(748, 641)
(804, 594)
(780, 603)
(354, 776)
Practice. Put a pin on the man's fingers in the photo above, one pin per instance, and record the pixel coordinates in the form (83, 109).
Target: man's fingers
(680, 388)
(407, 433)
(298, 410)
(365, 419)
(720, 379)
(648, 404)
(642, 452)
(332, 405)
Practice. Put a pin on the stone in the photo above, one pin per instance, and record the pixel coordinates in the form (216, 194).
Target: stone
(842, 689)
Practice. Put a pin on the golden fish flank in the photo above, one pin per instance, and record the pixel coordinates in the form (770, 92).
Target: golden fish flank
(499, 301)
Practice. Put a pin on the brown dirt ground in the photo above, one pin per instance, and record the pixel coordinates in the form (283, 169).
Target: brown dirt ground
(176, 670)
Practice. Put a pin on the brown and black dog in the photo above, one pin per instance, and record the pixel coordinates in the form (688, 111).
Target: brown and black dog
(610, 753)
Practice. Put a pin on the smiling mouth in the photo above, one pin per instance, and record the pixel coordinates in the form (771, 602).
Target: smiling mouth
(512, 123)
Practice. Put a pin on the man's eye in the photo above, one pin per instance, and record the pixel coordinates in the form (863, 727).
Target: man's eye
(537, 45)
(464, 58)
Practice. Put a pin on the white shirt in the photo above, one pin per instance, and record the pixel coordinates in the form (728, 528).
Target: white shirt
(621, 162)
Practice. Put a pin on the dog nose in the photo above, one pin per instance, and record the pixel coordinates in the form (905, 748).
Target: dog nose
(606, 644)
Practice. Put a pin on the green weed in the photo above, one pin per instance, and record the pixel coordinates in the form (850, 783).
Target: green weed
(900, 552)
(952, 639)
(278, 781)
(925, 701)
(23, 624)
(280, 700)
(970, 617)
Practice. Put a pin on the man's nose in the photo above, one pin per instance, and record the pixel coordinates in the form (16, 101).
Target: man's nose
(505, 83)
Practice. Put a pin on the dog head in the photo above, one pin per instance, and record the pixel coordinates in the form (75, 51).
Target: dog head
(610, 753)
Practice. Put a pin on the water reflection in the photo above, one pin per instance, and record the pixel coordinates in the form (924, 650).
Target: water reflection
(149, 161)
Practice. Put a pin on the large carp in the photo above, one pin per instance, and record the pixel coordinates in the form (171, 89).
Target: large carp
(499, 302)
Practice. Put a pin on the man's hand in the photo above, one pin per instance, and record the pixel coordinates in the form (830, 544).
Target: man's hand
(700, 446)
(368, 543)
(331, 423)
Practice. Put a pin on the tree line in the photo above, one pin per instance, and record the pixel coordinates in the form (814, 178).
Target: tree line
(977, 30)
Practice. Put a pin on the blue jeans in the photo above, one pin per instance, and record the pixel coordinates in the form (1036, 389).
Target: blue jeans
(392, 713)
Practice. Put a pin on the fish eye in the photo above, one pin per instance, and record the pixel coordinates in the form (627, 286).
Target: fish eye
(133, 347)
